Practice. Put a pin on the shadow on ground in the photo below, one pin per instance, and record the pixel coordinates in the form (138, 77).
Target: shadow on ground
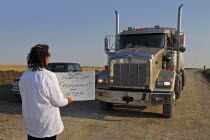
(206, 76)
(11, 105)
(92, 110)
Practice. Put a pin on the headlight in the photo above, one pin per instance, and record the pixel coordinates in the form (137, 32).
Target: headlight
(102, 83)
(166, 83)
(100, 80)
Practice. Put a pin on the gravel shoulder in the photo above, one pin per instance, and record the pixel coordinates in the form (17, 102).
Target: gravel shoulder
(86, 121)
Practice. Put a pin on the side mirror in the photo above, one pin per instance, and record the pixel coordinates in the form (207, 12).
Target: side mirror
(106, 44)
(166, 58)
(182, 49)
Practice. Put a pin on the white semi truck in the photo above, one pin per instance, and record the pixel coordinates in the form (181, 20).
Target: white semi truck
(144, 68)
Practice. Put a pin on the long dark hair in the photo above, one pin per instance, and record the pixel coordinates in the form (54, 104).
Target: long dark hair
(36, 59)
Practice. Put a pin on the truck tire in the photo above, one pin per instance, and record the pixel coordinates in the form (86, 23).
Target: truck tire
(168, 109)
(106, 106)
(178, 86)
(183, 79)
(181, 87)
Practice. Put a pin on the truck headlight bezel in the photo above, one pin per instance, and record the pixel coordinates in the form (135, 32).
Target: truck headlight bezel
(102, 81)
(163, 84)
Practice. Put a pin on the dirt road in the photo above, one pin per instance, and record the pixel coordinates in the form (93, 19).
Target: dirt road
(86, 121)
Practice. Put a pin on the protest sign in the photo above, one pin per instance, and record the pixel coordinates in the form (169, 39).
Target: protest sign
(79, 86)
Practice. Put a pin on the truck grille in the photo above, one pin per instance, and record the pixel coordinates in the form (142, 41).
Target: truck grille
(131, 75)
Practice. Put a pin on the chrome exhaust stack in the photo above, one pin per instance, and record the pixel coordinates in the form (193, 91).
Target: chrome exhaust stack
(117, 22)
(179, 18)
(117, 30)
(178, 37)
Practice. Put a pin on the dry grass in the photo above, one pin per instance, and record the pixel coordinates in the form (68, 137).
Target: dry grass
(92, 68)
(9, 72)
(19, 68)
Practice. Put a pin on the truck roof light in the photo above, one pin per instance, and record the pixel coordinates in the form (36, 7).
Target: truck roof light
(141, 29)
(138, 29)
(171, 67)
(124, 30)
(162, 28)
(146, 28)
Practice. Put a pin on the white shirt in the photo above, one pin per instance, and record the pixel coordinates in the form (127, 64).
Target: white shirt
(41, 99)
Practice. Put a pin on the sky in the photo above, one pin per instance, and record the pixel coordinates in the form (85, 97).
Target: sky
(75, 29)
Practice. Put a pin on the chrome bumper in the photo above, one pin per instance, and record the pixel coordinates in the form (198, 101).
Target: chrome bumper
(135, 98)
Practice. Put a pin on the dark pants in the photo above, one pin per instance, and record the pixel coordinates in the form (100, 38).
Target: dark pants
(47, 138)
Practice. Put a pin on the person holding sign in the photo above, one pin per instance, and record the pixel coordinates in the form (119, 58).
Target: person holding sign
(41, 97)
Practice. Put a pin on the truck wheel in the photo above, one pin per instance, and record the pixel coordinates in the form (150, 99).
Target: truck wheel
(168, 109)
(106, 106)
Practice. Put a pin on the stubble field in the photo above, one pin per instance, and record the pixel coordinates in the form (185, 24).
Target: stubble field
(9, 72)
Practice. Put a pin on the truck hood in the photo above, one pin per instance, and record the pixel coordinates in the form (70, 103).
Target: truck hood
(143, 52)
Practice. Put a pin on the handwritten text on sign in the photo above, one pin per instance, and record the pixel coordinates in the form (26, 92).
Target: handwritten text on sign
(77, 85)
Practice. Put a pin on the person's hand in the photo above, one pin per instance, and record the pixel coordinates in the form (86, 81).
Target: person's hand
(69, 100)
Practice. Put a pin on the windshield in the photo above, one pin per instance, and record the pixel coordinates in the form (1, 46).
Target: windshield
(56, 67)
(142, 40)
(66, 67)
(77, 67)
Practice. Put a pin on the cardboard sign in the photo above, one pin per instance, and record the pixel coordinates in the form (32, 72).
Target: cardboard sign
(79, 86)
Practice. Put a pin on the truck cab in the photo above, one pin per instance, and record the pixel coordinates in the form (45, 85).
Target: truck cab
(145, 68)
